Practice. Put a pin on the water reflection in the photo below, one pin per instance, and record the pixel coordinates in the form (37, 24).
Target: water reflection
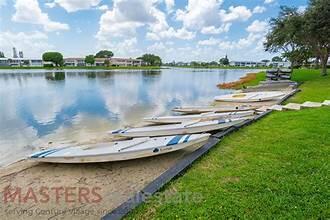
(37, 107)
(57, 76)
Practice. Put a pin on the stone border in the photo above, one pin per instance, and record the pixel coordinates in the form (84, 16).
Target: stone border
(141, 196)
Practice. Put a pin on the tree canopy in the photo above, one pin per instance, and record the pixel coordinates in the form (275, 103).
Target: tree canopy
(317, 30)
(224, 61)
(104, 54)
(90, 59)
(151, 59)
(2, 55)
(54, 57)
(302, 35)
(277, 59)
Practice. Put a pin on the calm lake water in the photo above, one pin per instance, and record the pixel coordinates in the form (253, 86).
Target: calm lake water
(37, 108)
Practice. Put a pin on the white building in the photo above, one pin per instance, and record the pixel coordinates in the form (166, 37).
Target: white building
(259, 64)
(15, 62)
(247, 63)
(114, 61)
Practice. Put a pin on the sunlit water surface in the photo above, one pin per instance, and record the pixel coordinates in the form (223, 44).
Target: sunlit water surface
(38, 108)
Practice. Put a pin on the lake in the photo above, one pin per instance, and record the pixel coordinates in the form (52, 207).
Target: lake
(39, 108)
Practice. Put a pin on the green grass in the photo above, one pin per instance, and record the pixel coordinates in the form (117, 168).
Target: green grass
(277, 168)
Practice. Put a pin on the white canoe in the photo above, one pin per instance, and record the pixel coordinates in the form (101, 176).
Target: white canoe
(122, 150)
(217, 109)
(203, 117)
(190, 127)
(250, 96)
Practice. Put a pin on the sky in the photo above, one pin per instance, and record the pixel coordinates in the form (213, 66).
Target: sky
(180, 30)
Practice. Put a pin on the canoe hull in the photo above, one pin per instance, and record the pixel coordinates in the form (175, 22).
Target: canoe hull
(208, 117)
(179, 130)
(250, 97)
(129, 155)
(205, 109)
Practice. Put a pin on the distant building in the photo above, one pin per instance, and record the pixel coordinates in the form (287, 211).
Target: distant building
(259, 64)
(14, 53)
(21, 62)
(101, 62)
(247, 64)
(74, 62)
(21, 55)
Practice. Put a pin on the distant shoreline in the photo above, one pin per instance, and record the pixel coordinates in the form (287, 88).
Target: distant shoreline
(218, 67)
(83, 68)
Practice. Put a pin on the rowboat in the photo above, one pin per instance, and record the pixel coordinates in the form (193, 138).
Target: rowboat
(190, 127)
(204, 116)
(250, 96)
(216, 109)
(122, 150)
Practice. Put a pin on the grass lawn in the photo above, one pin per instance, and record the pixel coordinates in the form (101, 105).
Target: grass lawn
(277, 168)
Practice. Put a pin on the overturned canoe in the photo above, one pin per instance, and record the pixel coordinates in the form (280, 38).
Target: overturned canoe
(190, 127)
(216, 109)
(122, 150)
(250, 96)
(203, 117)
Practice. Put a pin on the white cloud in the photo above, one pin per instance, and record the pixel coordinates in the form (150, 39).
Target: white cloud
(259, 9)
(28, 11)
(76, 5)
(200, 13)
(125, 48)
(302, 8)
(257, 27)
(103, 8)
(169, 5)
(33, 44)
(209, 42)
(269, 1)
(240, 13)
(127, 16)
(50, 4)
(213, 30)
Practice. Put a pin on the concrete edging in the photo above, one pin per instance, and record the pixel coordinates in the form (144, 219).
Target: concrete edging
(141, 196)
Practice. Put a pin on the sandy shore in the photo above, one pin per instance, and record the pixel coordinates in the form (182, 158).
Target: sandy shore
(108, 184)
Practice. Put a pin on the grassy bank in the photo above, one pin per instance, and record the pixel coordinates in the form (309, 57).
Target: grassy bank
(85, 68)
(275, 168)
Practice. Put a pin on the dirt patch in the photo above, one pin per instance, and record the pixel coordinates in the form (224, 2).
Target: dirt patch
(239, 83)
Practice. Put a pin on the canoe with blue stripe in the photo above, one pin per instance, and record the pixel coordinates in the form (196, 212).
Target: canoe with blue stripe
(121, 150)
(189, 127)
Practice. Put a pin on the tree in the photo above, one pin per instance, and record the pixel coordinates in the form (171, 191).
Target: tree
(277, 59)
(265, 61)
(54, 57)
(90, 59)
(317, 30)
(2, 55)
(224, 61)
(104, 54)
(151, 59)
(213, 63)
(286, 35)
(106, 63)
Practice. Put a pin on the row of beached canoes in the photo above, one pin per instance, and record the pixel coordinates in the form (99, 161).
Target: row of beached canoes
(168, 133)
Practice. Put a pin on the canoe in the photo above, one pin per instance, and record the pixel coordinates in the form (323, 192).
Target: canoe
(250, 96)
(204, 116)
(216, 109)
(190, 127)
(122, 150)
